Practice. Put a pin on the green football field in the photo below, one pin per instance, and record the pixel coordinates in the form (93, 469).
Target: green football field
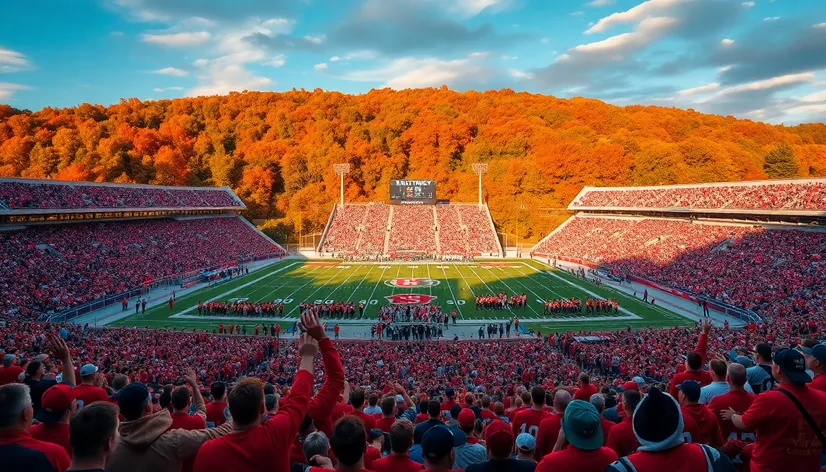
(453, 286)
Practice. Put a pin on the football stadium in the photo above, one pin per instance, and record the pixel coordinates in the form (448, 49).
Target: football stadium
(393, 236)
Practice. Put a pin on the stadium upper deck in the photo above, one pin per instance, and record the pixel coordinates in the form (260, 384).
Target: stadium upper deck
(46, 196)
(800, 197)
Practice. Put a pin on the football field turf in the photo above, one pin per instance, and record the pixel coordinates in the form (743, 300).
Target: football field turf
(452, 285)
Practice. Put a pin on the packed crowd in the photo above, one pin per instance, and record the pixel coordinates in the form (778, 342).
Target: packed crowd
(358, 232)
(53, 267)
(774, 272)
(802, 196)
(501, 301)
(649, 400)
(425, 313)
(42, 195)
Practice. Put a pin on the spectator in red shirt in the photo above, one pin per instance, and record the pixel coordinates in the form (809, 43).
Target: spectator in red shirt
(59, 405)
(88, 392)
(816, 362)
(93, 433)
(253, 446)
(622, 438)
(738, 399)
(448, 404)
(527, 421)
(694, 364)
(349, 443)
(10, 372)
(180, 400)
(550, 426)
(215, 408)
(585, 389)
(16, 415)
(707, 426)
(401, 438)
(487, 414)
(357, 401)
(658, 425)
(784, 439)
(581, 428)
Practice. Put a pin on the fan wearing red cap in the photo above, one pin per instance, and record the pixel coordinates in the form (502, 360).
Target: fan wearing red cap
(499, 443)
(58, 406)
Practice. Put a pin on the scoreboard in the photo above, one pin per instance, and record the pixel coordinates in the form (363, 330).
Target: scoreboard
(413, 191)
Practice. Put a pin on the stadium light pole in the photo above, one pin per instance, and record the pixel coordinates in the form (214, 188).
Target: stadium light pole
(480, 168)
(341, 170)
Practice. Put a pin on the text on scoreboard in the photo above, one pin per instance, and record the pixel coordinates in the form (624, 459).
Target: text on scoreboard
(413, 191)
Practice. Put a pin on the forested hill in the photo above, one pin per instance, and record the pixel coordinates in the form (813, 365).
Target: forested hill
(276, 150)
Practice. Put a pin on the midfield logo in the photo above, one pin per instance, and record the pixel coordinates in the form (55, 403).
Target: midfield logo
(410, 299)
(411, 283)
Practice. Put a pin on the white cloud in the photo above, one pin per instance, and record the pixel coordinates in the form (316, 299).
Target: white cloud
(819, 96)
(600, 3)
(634, 15)
(277, 61)
(220, 79)
(12, 61)
(172, 71)
(747, 4)
(519, 75)
(727, 42)
(820, 25)
(320, 67)
(314, 39)
(577, 13)
(474, 7)
(410, 72)
(771, 18)
(699, 90)
(335, 59)
(177, 39)
(161, 90)
(774, 82)
(200, 62)
(646, 31)
(7, 89)
(723, 69)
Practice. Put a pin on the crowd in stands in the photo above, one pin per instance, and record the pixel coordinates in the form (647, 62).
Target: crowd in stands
(774, 272)
(53, 267)
(357, 232)
(42, 195)
(801, 196)
(647, 400)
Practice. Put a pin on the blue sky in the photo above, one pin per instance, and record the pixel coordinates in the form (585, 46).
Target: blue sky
(760, 59)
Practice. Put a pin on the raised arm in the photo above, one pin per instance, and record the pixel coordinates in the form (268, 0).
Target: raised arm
(61, 351)
(322, 404)
(197, 398)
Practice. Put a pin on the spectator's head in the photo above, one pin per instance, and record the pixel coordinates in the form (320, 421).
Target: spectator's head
(315, 444)
(373, 400)
(815, 357)
(357, 398)
(16, 412)
(694, 361)
(58, 404)
(180, 399)
(561, 400)
(271, 403)
(658, 422)
(689, 392)
(246, 401)
(763, 353)
(119, 381)
(93, 433)
(449, 393)
(736, 376)
(466, 420)
(517, 403)
(434, 409)
(718, 370)
(630, 400)
(375, 438)
(437, 448)
(218, 390)
(469, 399)
(134, 401)
(789, 367)
(499, 440)
(35, 370)
(87, 374)
(499, 409)
(584, 379)
(598, 401)
(486, 402)
(454, 412)
(525, 446)
(582, 426)
(526, 397)
(538, 396)
(349, 440)
(388, 406)
(401, 436)
(165, 400)
(8, 359)
(269, 389)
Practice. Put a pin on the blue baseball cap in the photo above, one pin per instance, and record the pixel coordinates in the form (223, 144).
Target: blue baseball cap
(818, 351)
(582, 425)
(793, 365)
(437, 443)
(132, 399)
(525, 442)
(88, 369)
(691, 389)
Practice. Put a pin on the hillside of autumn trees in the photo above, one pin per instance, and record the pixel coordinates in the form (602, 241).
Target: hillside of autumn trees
(276, 150)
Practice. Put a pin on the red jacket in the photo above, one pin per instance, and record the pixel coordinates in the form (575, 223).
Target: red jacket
(707, 426)
(262, 447)
(56, 454)
(322, 404)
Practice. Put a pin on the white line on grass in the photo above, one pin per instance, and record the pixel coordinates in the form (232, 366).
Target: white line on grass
(455, 302)
(430, 286)
(310, 296)
(251, 282)
(381, 277)
(466, 282)
(308, 283)
(362, 281)
(398, 271)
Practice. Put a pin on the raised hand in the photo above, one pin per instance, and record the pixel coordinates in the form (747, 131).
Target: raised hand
(311, 324)
(308, 346)
(727, 414)
(190, 378)
(706, 326)
(58, 347)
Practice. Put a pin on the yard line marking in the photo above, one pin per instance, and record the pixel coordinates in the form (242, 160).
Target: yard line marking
(430, 286)
(316, 290)
(394, 280)
(308, 283)
(463, 278)
(455, 302)
(374, 288)
(362, 281)
(338, 286)
(480, 278)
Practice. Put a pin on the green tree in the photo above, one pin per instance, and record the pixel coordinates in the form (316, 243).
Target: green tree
(780, 162)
